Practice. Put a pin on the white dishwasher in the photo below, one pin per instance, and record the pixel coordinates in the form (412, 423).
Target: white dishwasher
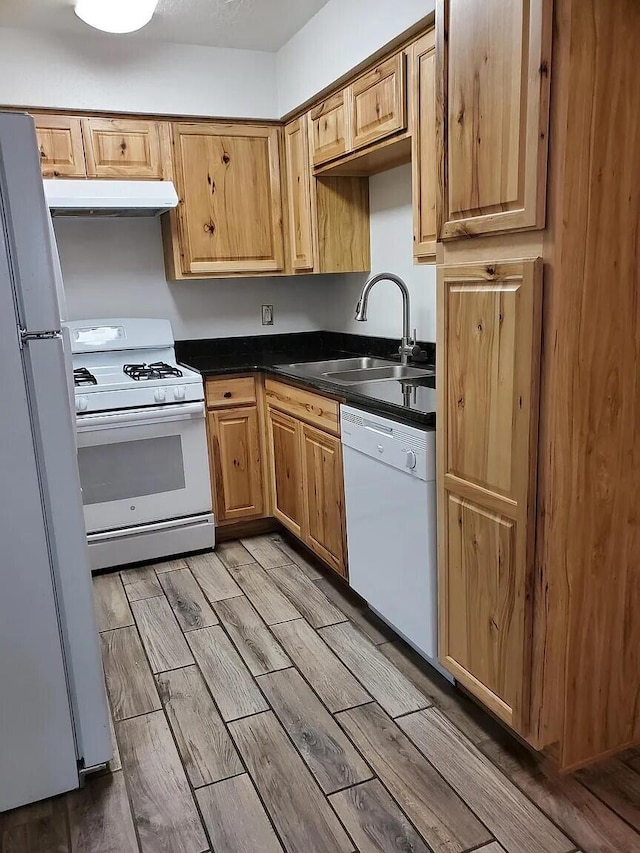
(390, 496)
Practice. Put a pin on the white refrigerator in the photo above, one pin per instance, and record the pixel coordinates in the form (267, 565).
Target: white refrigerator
(53, 709)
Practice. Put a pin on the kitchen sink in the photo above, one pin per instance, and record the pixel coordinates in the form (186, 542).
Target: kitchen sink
(351, 371)
(378, 374)
(336, 365)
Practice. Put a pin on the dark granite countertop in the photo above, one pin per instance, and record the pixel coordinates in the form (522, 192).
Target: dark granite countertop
(411, 401)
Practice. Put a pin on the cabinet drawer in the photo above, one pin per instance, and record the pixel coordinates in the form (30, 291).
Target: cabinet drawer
(317, 410)
(230, 392)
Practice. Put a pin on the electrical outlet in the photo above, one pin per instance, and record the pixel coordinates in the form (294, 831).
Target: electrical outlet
(267, 315)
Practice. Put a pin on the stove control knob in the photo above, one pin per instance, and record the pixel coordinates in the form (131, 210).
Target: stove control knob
(160, 395)
(179, 392)
(82, 404)
(412, 460)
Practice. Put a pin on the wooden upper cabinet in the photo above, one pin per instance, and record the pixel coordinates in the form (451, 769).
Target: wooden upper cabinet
(61, 147)
(234, 435)
(493, 99)
(377, 100)
(489, 355)
(329, 128)
(323, 496)
(299, 199)
(424, 157)
(122, 148)
(286, 470)
(230, 210)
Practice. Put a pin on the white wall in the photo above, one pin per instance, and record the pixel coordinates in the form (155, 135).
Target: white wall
(391, 251)
(113, 267)
(55, 70)
(340, 36)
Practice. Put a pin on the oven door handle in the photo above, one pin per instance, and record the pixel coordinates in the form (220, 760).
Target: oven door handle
(140, 417)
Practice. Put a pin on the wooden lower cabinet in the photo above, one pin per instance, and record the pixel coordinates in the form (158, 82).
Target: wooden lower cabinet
(234, 435)
(286, 470)
(323, 496)
(275, 451)
(305, 461)
(236, 458)
(489, 363)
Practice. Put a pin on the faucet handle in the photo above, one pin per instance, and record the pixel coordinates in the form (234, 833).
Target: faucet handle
(412, 345)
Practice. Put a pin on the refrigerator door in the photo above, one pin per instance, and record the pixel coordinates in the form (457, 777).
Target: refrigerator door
(28, 215)
(37, 746)
(30, 273)
(58, 463)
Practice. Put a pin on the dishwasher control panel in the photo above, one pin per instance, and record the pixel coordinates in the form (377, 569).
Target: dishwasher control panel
(396, 444)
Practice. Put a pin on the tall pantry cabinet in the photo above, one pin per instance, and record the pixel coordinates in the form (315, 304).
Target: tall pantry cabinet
(539, 471)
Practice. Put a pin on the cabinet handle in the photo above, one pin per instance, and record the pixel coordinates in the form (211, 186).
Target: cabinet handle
(227, 395)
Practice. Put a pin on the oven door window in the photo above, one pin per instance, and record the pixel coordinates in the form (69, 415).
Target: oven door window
(131, 469)
(147, 472)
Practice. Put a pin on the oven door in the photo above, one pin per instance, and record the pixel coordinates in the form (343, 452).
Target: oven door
(139, 466)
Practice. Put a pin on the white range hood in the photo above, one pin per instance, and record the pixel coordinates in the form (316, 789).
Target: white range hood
(109, 198)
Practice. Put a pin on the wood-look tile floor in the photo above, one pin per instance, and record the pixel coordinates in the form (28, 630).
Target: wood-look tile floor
(259, 707)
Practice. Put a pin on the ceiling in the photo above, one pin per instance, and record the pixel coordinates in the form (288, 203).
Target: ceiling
(249, 24)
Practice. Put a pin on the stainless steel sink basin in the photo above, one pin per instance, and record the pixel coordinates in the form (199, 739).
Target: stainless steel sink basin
(351, 371)
(378, 374)
(322, 368)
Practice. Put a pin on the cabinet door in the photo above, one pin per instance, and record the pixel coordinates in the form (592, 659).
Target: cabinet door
(378, 102)
(323, 485)
(286, 470)
(329, 128)
(494, 70)
(235, 451)
(230, 211)
(122, 148)
(299, 194)
(61, 148)
(488, 352)
(424, 157)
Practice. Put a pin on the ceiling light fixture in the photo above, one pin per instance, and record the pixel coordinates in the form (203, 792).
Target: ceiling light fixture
(116, 16)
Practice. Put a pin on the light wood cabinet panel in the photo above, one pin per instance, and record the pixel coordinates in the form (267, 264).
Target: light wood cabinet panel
(299, 195)
(61, 147)
(329, 128)
(235, 452)
(489, 349)
(424, 156)
(122, 148)
(320, 411)
(378, 102)
(230, 211)
(493, 77)
(234, 391)
(286, 470)
(486, 603)
(343, 226)
(324, 496)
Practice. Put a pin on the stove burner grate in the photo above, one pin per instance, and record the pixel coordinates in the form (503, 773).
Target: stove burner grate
(82, 376)
(157, 370)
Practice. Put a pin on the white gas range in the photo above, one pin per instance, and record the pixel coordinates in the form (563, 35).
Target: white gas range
(142, 443)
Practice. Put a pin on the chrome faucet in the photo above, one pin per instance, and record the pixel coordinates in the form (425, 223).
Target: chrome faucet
(408, 346)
